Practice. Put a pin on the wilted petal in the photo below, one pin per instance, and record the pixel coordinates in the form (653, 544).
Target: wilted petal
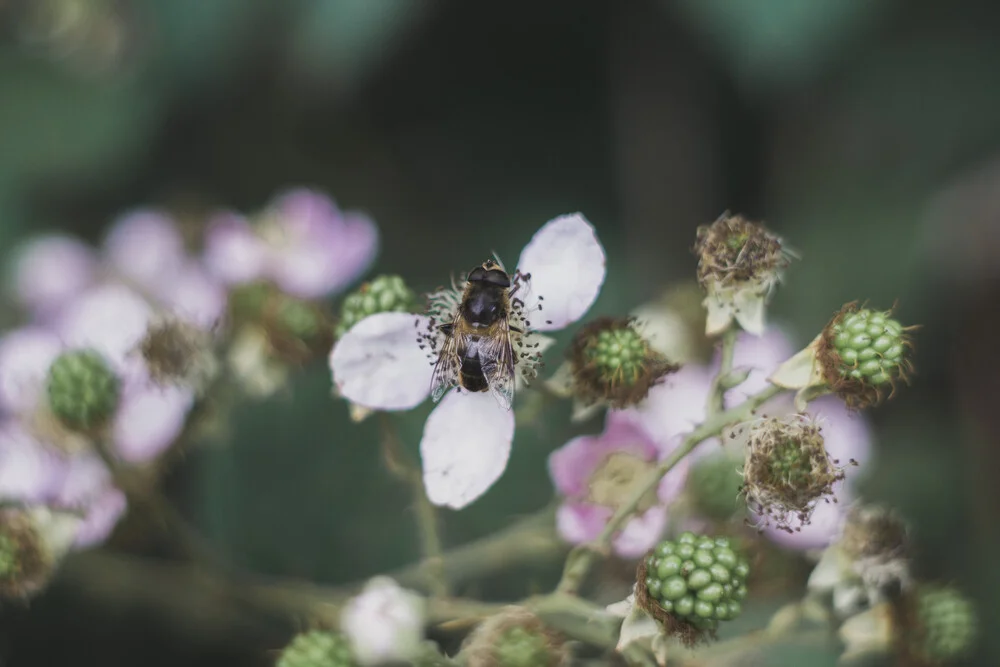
(111, 319)
(25, 357)
(148, 421)
(146, 247)
(749, 307)
(378, 363)
(29, 471)
(465, 447)
(234, 254)
(323, 249)
(718, 312)
(641, 533)
(579, 522)
(567, 267)
(50, 270)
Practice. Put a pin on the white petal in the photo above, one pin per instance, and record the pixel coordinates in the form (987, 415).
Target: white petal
(749, 306)
(802, 370)
(378, 364)
(567, 267)
(465, 447)
(25, 357)
(111, 319)
(719, 311)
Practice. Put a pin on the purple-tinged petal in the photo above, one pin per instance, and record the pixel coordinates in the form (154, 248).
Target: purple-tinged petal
(674, 406)
(672, 484)
(846, 435)
(86, 476)
(761, 355)
(823, 528)
(25, 357)
(234, 254)
(567, 267)
(581, 522)
(641, 533)
(322, 250)
(149, 420)
(572, 464)
(193, 295)
(378, 363)
(101, 516)
(465, 447)
(50, 270)
(146, 247)
(111, 319)
(29, 471)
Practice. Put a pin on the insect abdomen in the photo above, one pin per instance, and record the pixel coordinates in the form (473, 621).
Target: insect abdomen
(470, 374)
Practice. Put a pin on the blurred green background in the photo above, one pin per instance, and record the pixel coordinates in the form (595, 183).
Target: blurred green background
(866, 132)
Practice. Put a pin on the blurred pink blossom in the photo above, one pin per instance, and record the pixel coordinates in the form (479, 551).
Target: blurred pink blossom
(50, 270)
(302, 242)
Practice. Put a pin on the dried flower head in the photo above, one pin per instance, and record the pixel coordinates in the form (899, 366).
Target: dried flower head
(178, 353)
(787, 469)
(739, 264)
(32, 541)
(515, 637)
(613, 363)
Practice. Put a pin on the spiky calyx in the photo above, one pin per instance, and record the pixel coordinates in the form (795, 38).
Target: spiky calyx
(26, 564)
(383, 294)
(612, 362)
(691, 584)
(513, 638)
(317, 648)
(734, 250)
(714, 484)
(864, 352)
(787, 470)
(178, 353)
(82, 389)
(940, 625)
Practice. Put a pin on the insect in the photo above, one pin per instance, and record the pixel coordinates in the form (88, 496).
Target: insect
(477, 353)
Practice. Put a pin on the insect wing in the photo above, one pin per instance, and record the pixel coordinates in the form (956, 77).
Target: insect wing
(446, 369)
(496, 355)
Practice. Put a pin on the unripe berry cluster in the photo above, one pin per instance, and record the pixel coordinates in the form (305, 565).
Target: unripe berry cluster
(699, 580)
(82, 389)
(946, 624)
(383, 294)
(317, 648)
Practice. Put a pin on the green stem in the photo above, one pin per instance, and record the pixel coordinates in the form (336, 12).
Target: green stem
(427, 523)
(719, 384)
(582, 557)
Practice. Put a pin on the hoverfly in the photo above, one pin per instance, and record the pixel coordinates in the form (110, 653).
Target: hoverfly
(477, 353)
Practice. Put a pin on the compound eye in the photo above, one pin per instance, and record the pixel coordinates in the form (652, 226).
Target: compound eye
(478, 274)
(497, 277)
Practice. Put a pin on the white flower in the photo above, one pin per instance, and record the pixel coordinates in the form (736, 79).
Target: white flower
(384, 623)
(379, 365)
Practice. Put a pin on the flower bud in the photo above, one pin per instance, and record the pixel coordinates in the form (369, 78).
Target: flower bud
(943, 627)
(82, 389)
(787, 469)
(32, 542)
(317, 648)
(690, 584)
(384, 623)
(739, 264)
(513, 638)
(178, 353)
(714, 484)
(383, 294)
(859, 355)
(611, 362)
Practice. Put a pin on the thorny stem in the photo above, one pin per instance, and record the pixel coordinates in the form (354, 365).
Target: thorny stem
(404, 468)
(582, 557)
(718, 391)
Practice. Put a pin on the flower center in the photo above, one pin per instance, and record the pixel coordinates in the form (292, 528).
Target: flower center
(617, 478)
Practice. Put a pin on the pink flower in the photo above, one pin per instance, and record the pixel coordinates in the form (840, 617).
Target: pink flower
(50, 270)
(29, 472)
(302, 242)
(596, 474)
(145, 248)
(760, 355)
(88, 488)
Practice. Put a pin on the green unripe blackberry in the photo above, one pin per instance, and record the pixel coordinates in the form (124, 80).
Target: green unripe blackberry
(863, 353)
(384, 294)
(946, 624)
(713, 485)
(697, 579)
(519, 647)
(611, 361)
(82, 389)
(317, 648)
